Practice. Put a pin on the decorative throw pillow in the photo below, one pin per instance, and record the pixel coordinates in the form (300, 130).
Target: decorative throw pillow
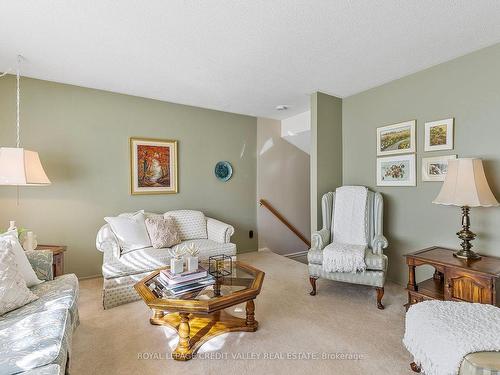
(13, 290)
(22, 261)
(162, 231)
(130, 231)
(131, 214)
(192, 225)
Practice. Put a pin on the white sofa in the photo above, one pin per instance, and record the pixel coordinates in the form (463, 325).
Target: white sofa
(122, 270)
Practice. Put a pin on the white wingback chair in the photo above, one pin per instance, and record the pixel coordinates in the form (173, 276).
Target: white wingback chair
(376, 261)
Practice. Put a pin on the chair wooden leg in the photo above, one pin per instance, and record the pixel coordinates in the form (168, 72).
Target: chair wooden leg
(380, 294)
(312, 280)
(415, 367)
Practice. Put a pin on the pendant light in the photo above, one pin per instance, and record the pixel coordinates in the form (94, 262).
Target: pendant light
(18, 166)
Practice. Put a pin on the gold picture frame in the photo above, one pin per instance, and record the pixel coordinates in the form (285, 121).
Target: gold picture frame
(153, 166)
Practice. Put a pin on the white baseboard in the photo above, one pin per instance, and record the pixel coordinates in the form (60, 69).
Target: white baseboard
(89, 277)
(298, 254)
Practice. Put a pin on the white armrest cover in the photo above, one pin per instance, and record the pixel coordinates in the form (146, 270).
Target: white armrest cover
(320, 239)
(219, 231)
(107, 242)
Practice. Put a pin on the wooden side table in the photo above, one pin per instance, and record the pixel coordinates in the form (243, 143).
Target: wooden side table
(454, 279)
(58, 257)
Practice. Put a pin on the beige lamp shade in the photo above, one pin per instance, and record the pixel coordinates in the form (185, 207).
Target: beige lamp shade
(21, 167)
(466, 185)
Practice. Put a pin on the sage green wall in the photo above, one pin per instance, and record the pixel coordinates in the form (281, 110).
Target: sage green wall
(467, 88)
(326, 150)
(82, 137)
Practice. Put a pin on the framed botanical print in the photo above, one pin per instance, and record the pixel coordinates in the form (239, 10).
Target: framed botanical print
(153, 166)
(396, 139)
(435, 169)
(439, 135)
(396, 171)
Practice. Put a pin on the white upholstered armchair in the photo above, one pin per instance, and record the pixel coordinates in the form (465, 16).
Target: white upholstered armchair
(376, 261)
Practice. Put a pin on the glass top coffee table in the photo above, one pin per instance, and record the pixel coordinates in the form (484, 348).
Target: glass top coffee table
(199, 315)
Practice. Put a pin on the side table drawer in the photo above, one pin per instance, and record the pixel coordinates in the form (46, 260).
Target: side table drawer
(468, 287)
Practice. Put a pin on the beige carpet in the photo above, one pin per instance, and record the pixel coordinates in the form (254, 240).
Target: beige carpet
(342, 318)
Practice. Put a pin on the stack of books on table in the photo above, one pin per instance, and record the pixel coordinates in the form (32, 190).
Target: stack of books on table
(177, 284)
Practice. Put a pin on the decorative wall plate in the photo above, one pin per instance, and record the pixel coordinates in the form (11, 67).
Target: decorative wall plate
(223, 170)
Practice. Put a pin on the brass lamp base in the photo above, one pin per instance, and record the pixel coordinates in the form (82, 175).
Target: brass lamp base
(467, 255)
(466, 236)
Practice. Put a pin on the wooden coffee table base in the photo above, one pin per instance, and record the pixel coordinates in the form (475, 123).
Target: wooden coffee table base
(199, 316)
(195, 329)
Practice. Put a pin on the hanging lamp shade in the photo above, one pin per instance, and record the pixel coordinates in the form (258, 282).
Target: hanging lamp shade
(18, 166)
(21, 167)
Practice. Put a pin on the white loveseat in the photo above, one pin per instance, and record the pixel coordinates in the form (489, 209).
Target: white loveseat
(122, 270)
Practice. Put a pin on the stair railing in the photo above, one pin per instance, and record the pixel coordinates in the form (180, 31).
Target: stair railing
(281, 218)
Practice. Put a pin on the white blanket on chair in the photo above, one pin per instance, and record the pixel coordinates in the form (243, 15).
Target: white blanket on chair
(340, 257)
(346, 253)
(439, 334)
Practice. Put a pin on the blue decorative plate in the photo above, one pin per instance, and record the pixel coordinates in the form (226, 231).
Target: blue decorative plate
(223, 170)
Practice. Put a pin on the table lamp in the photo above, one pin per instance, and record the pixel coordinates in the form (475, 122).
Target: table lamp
(466, 186)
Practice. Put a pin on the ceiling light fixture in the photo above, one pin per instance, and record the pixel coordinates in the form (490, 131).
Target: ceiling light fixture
(281, 107)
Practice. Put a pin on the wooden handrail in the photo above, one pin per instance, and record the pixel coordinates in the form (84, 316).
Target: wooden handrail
(281, 218)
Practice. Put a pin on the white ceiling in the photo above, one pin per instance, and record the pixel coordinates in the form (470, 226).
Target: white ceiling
(239, 56)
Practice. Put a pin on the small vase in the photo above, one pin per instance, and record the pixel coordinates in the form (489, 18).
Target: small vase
(176, 265)
(12, 225)
(29, 242)
(192, 264)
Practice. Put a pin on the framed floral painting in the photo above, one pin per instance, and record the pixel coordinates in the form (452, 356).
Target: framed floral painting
(153, 166)
(396, 139)
(396, 171)
(439, 135)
